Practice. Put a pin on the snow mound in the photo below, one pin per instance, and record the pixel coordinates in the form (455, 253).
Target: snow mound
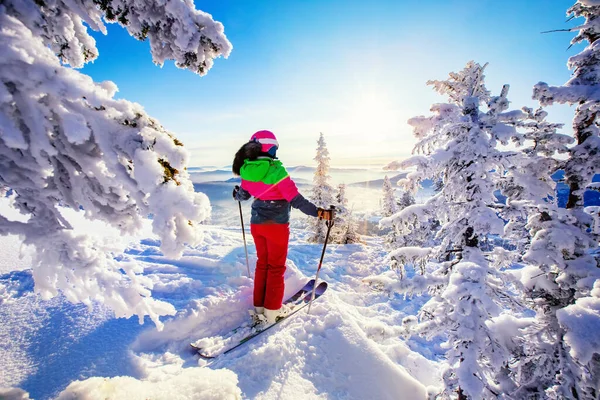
(13, 394)
(190, 383)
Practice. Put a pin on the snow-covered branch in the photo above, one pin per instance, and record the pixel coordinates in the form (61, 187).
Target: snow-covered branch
(175, 29)
(66, 142)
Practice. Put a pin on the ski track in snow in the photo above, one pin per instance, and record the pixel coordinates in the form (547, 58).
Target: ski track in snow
(349, 347)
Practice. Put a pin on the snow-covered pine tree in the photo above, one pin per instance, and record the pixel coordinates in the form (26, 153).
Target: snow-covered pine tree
(407, 199)
(322, 192)
(394, 239)
(345, 230)
(66, 141)
(341, 200)
(581, 90)
(562, 262)
(341, 214)
(390, 206)
(350, 233)
(390, 203)
(559, 351)
(530, 205)
(527, 182)
(458, 145)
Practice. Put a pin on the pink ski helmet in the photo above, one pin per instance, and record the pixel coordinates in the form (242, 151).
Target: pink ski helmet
(267, 139)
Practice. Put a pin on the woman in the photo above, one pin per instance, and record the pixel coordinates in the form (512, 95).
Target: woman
(265, 179)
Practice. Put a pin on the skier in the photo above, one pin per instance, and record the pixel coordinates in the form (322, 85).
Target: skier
(265, 178)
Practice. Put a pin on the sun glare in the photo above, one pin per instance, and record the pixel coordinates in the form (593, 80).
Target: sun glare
(372, 114)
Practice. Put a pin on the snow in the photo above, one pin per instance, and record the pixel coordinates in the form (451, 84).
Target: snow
(590, 2)
(189, 383)
(13, 254)
(508, 328)
(594, 211)
(583, 322)
(350, 346)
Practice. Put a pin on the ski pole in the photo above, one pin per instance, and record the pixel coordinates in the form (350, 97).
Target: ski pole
(244, 235)
(329, 224)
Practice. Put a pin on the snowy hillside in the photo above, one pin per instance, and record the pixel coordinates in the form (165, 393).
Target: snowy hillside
(348, 347)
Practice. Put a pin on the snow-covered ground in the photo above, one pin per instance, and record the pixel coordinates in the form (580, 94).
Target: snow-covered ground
(348, 347)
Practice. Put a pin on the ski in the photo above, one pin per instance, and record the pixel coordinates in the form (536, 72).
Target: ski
(306, 300)
(301, 292)
(291, 302)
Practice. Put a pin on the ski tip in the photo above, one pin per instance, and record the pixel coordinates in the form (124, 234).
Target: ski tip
(310, 284)
(205, 357)
(198, 351)
(321, 287)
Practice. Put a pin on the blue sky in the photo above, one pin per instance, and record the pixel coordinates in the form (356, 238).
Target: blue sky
(355, 71)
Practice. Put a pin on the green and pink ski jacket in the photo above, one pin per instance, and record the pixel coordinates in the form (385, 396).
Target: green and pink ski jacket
(274, 191)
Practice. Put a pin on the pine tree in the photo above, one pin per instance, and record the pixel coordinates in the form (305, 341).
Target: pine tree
(398, 237)
(322, 192)
(66, 141)
(458, 146)
(390, 204)
(341, 215)
(350, 233)
(341, 200)
(530, 209)
(407, 199)
(527, 182)
(345, 230)
(562, 261)
(581, 90)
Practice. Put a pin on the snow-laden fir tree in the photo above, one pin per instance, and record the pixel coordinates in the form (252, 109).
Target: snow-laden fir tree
(341, 200)
(560, 350)
(66, 141)
(581, 90)
(530, 208)
(396, 239)
(407, 199)
(345, 229)
(390, 203)
(527, 182)
(341, 214)
(562, 266)
(458, 145)
(350, 234)
(322, 193)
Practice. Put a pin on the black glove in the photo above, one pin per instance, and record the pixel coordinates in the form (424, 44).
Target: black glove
(324, 214)
(236, 189)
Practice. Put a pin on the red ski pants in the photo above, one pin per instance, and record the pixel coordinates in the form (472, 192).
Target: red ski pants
(271, 242)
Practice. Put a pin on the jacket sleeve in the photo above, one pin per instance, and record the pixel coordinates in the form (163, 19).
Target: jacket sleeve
(304, 205)
(290, 192)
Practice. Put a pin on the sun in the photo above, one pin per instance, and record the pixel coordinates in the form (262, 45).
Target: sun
(372, 113)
